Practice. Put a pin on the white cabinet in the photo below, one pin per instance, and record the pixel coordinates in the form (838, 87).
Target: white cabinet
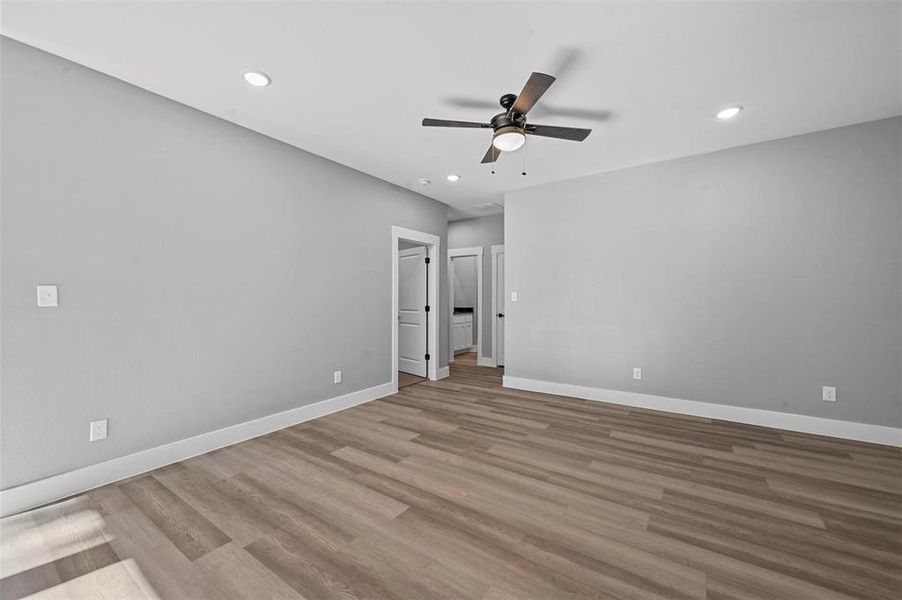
(462, 331)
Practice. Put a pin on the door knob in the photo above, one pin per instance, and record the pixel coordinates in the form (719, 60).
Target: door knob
(500, 315)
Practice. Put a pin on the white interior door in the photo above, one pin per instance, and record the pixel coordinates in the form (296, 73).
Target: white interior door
(412, 311)
(501, 302)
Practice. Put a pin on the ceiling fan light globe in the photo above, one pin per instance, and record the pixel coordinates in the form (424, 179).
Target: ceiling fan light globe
(508, 139)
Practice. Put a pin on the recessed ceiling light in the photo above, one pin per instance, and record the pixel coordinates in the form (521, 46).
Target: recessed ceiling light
(257, 78)
(452, 178)
(729, 113)
(424, 181)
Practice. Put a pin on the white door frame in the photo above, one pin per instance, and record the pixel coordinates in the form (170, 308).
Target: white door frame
(456, 253)
(433, 245)
(496, 250)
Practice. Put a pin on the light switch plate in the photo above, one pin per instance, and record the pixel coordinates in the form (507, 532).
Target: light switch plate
(336, 377)
(98, 430)
(47, 296)
(513, 296)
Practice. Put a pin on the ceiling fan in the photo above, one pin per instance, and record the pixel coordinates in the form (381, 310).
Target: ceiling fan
(510, 127)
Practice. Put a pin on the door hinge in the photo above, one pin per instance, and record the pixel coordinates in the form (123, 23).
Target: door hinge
(427, 308)
(427, 357)
(427, 260)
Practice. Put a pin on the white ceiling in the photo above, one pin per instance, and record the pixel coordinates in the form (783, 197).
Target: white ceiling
(351, 81)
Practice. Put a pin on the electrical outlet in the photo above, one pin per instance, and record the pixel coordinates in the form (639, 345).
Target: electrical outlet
(47, 296)
(829, 394)
(637, 373)
(98, 430)
(336, 377)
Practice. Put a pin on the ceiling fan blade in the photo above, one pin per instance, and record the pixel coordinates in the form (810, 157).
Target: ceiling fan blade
(562, 133)
(471, 103)
(536, 85)
(491, 155)
(446, 123)
(571, 112)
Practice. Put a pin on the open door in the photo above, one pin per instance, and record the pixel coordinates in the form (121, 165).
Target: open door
(412, 302)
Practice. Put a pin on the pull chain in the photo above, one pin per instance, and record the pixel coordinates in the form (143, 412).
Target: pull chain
(524, 159)
(494, 158)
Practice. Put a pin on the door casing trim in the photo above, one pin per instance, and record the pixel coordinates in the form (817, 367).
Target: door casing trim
(496, 250)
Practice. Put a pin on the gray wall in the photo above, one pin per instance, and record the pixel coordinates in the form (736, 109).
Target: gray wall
(208, 275)
(749, 277)
(485, 232)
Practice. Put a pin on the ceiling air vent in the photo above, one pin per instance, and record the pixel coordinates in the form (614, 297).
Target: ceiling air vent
(488, 207)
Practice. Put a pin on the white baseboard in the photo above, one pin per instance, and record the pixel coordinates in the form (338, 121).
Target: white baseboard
(863, 432)
(444, 372)
(37, 493)
(485, 361)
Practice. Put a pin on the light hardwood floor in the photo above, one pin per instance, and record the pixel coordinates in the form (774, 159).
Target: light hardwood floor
(462, 489)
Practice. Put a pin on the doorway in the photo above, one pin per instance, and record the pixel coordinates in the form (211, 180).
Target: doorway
(415, 276)
(465, 308)
(498, 304)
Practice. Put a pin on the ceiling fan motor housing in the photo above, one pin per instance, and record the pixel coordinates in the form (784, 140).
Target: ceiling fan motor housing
(507, 120)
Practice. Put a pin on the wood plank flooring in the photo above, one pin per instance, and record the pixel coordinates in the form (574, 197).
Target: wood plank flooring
(462, 489)
(406, 379)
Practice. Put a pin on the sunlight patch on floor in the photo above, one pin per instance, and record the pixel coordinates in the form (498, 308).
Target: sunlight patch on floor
(119, 581)
(43, 536)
